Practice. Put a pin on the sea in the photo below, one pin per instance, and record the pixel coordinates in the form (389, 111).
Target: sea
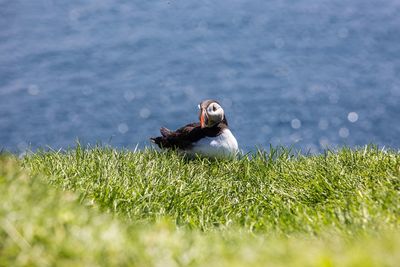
(311, 75)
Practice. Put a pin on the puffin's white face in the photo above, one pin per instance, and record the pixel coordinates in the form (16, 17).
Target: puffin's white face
(211, 115)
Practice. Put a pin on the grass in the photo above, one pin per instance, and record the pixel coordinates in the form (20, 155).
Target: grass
(101, 206)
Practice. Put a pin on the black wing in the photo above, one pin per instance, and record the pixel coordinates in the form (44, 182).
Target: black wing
(182, 138)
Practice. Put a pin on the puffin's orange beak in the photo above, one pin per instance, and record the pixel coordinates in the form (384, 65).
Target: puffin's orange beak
(202, 119)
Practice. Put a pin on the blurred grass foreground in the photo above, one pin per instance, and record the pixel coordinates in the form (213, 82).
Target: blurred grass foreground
(100, 206)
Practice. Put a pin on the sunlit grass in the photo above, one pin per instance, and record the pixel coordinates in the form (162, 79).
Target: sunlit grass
(275, 191)
(104, 206)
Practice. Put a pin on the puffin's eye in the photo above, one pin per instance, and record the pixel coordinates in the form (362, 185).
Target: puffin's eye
(214, 108)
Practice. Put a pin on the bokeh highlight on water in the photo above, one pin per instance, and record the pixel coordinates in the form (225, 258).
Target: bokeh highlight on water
(305, 73)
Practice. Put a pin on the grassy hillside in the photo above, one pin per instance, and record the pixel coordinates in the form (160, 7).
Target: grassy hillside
(101, 206)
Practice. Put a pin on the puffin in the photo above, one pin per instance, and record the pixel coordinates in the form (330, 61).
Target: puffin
(210, 137)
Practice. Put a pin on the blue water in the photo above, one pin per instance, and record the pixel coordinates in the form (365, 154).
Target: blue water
(305, 73)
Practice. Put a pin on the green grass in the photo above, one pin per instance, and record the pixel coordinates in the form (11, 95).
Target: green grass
(101, 206)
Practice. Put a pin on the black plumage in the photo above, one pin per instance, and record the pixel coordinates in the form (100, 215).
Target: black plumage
(184, 137)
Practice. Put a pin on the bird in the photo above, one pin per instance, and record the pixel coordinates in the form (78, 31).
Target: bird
(210, 137)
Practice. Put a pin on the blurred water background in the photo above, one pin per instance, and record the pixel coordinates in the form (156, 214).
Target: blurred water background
(305, 73)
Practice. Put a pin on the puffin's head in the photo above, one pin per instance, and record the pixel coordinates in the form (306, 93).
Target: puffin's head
(211, 113)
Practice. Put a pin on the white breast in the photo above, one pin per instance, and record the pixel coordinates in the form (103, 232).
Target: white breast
(221, 146)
